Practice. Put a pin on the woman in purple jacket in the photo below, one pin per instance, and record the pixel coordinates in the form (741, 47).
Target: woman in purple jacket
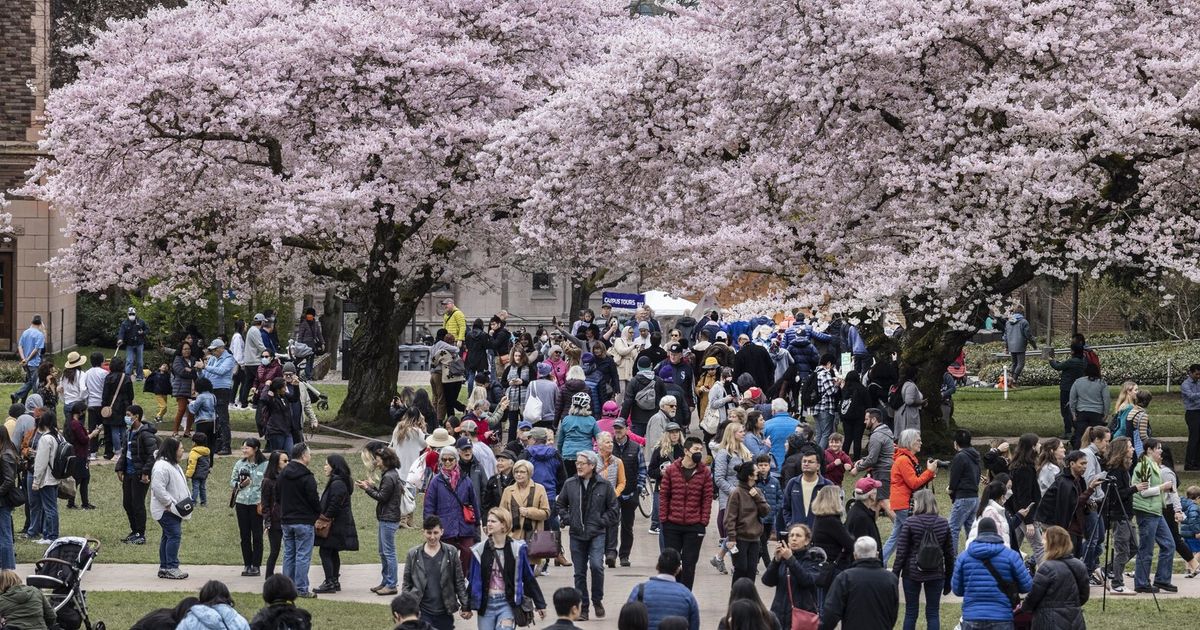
(451, 497)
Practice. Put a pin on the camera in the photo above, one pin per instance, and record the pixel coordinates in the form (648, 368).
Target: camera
(941, 463)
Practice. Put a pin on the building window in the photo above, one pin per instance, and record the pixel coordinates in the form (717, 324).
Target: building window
(543, 282)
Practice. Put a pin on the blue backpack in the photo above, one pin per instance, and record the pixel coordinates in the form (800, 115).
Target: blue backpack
(1119, 424)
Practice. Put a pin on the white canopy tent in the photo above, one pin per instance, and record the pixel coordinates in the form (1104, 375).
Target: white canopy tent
(666, 306)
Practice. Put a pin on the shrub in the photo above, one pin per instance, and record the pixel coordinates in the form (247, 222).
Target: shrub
(1146, 365)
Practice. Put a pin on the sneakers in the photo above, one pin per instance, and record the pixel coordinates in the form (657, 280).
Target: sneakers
(1117, 588)
(137, 540)
(47, 541)
(610, 559)
(246, 571)
(583, 616)
(307, 595)
(172, 574)
(719, 565)
(389, 590)
(654, 530)
(129, 537)
(1163, 586)
(1094, 578)
(599, 609)
(624, 562)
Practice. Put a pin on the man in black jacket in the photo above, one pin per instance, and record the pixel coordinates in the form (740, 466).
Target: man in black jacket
(134, 464)
(635, 479)
(1065, 502)
(300, 505)
(568, 605)
(588, 505)
(865, 596)
(754, 360)
(965, 470)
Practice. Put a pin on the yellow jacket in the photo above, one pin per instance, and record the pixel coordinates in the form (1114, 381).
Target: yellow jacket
(455, 323)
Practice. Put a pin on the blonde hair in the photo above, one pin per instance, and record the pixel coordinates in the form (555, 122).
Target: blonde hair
(828, 502)
(730, 444)
(1058, 543)
(1127, 396)
(665, 448)
(604, 436)
(9, 579)
(523, 464)
(479, 394)
(1193, 492)
(576, 372)
(737, 414)
(502, 515)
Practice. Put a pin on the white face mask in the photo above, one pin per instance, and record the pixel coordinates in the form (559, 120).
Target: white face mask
(133, 318)
(265, 361)
(1007, 495)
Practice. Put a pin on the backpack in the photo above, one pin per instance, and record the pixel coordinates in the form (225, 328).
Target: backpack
(647, 397)
(929, 554)
(1119, 425)
(895, 398)
(809, 396)
(1091, 357)
(63, 463)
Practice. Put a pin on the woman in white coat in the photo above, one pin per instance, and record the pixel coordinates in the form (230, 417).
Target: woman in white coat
(169, 487)
(624, 352)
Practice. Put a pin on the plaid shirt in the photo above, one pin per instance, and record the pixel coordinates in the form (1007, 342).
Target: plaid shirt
(826, 390)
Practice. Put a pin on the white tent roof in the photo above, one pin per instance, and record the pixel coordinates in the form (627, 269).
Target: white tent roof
(668, 306)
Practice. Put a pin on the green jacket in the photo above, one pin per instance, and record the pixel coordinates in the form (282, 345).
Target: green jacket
(26, 607)
(1149, 501)
(250, 494)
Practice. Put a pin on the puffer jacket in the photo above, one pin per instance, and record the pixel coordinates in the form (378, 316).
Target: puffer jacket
(982, 598)
(547, 464)
(183, 375)
(905, 480)
(912, 536)
(219, 617)
(27, 608)
(576, 434)
(682, 501)
(1060, 589)
(282, 616)
(602, 511)
(447, 504)
(143, 448)
(804, 356)
(388, 496)
(1190, 526)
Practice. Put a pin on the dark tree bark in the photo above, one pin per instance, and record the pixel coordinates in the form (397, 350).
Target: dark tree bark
(584, 287)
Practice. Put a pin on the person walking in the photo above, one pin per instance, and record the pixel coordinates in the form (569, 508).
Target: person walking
(634, 462)
(1120, 508)
(1017, 339)
(451, 496)
(905, 481)
(665, 594)
(977, 576)
(924, 560)
(965, 471)
(299, 507)
(168, 490)
(743, 521)
(728, 457)
(389, 496)
(864, 510)
(336, 508)
(685, 500)
(863, 597)
(501, 577)
(1026, 493)
(1152, 527)
(133, 468)
(526, 501)
(577, 431)
(81, 442)
(433, 572)
(11, 487)
(246, 480)
(1190, 393)
(1060, 587)
(588, 506)
(829, 388)
(272, 512)
(801, 491)
(1071, 370)
(881, 449)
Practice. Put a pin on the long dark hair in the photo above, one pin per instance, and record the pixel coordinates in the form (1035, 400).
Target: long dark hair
(253, 443)
(169, 450)
(49, 421)
(341, 470)
(1025, 455)
(273, 466)
(994, 491)
(744, 590)
(634, 616)
(745, 614)
(215, 592)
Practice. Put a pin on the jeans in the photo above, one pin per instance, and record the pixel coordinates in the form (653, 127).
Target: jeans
(297, 554)
(628, 514)
(308, 366)
(278, 443)
(890, 545)
(116, 439)
(912, 603)
(8, 559)
(221, 441)
(1018, 365)
(1122, 550)
(825, 421)
(687, 541)
(498, 616)
(962, 518)
(387, 551)
(33, 528)
(587, 554)
(47, 499)
(1191, 457)
(172, 535)
(654, 523)
(1152, 528)
(133, 354)
(986, 625)
(133, 499)
(250, 530)
(200, 491)
(1094, 530)
(30, 384)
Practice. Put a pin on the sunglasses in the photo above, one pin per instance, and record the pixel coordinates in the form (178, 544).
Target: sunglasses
(449, 459)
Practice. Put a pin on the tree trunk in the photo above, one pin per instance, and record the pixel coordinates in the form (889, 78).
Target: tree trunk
(331, 326)
(583, 287)
(932, 348)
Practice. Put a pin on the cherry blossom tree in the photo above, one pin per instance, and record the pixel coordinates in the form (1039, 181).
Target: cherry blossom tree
(268, 142)
(934, 156)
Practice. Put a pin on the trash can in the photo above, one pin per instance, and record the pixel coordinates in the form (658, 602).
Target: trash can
(414, 358)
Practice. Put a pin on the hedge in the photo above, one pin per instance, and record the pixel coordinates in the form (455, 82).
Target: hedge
(1146, 364)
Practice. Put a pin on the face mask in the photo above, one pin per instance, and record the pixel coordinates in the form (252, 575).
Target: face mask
(1007, 495)
(133, 318)
(265, 361)
(128, 421)
(545, 339)
(696, 457)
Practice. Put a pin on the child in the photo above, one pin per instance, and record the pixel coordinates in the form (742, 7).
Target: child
(769, 486)
(837, 462)
(1189, 529)
(159, 384)
(204, 408)
(198, 467)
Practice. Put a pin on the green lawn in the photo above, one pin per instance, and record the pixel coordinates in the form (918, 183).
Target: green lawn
(1123, 612)
(120, 610)
(985, 411)
(210, 536)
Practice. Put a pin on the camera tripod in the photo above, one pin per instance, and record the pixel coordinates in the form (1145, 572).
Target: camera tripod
(1110, 488)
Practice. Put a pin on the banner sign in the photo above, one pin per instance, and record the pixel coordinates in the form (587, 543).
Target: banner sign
(623, 300)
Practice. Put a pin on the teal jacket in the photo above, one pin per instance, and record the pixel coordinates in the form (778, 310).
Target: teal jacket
(576, 434)
(251, 494)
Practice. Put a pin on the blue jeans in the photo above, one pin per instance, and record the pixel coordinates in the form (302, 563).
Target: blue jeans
(1152, 528)
(387, 551)
(200, 491)
(34, 530)
(1094, 529)
(986, 625)
(962, 518)
(825, 421)
(587, 554)
(654, 514)
(172, 536)
(30, 384)
(498, 611)
(297, 554)
(308, 366)
(8, 559)
(43, 513)
(134, 354)
(912, 603)
(890, 545)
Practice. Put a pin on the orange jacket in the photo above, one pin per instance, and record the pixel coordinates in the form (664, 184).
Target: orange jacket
(905, 480)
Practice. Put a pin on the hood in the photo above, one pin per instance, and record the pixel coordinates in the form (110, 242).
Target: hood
(971, 453)
(212, 617)
(884, 431)
(986, 546)
(148, 428)
(295, 471)
(20, 594)
(33, 402)
(802, 341)
(541, 452)
(1016, 317)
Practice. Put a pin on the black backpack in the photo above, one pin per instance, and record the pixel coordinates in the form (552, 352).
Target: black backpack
(895, 397)
(929, 554)
(63, 465)
(809, 395)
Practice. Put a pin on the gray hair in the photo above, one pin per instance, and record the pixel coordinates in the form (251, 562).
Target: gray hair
(448, 451)
(667, 400)
(779, 405)
(907, 438)
(865, 548)
(591, 456)
(924, 502)
(604, 436)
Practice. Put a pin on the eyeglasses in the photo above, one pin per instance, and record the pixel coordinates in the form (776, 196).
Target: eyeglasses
(449, 459)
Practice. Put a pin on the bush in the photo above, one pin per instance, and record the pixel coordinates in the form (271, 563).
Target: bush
(97, 318)
(11, 372)
(1146, 365)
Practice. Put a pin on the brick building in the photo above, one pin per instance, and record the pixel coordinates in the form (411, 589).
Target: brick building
(25, 288)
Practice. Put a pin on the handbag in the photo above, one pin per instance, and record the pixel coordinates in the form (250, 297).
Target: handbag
(16, 496)
(523, 614)
(468, 511)
(185, 507)
(66, 489)
(801, 619)
(322, 526)
(106, 412)
(408, 498)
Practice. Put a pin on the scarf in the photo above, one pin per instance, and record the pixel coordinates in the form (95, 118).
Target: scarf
(453, 476)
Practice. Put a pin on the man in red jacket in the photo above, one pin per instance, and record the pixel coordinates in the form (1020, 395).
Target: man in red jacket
(685, 504)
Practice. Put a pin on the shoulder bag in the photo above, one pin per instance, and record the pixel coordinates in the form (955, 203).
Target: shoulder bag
(106, 412)
(801, 619)
(541, 544)
(322, 526)
(468, 511)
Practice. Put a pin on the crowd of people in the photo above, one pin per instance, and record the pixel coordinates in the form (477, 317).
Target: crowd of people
(543, 461)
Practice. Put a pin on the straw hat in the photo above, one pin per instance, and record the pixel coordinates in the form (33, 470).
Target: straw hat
(440, 438)
(74, 360)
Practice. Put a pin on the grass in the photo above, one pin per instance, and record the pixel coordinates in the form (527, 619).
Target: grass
(119, 610)
(210, 536)
(1035, 409)
(1122, 613)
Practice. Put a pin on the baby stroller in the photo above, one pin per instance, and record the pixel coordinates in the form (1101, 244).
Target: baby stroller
(59, 574)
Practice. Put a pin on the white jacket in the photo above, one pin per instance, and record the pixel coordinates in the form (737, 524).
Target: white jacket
(76, 391)
(168, 486)
(93, 380)
(42, 461)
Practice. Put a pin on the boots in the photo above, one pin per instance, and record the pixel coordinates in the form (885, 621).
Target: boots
(561, 561)
(328, 586)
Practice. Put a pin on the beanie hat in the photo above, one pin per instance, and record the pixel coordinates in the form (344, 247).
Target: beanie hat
(610, 409)
(643, 363)
(987, 525)
(543, 369)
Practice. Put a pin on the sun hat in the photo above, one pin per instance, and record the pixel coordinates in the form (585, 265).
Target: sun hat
(711, 363)
(74, 360)
(440, 438)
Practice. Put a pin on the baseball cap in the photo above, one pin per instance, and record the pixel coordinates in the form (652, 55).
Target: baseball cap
(867, 484)
(675, 348)
(216, 343)
(259, 317)
(446, 301)
(524, 424)
(672, 426)
(722, 336)
(619, 422)
(462, 443)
